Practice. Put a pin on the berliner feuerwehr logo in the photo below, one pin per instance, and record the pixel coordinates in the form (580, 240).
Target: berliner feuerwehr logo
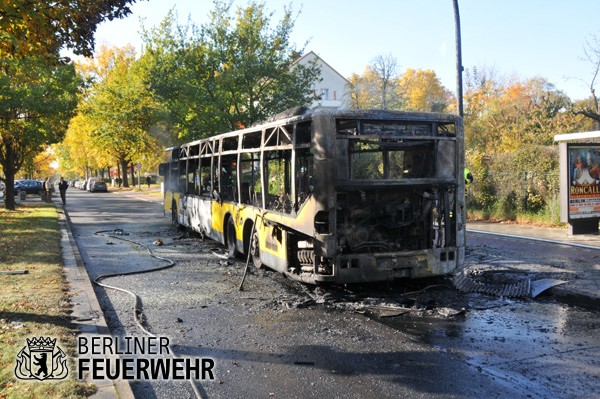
(41, 360)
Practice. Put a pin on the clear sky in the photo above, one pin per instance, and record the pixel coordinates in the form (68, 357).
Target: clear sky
(523, 38)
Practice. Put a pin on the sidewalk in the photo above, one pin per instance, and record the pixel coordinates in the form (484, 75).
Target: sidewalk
(87, 314)
(584, 288)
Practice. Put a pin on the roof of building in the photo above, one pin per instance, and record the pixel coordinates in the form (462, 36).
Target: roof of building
(577, 136)
(313, 54)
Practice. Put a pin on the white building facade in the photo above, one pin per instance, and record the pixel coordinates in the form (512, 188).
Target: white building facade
(333, 89)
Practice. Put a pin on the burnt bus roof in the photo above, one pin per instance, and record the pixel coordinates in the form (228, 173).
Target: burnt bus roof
(300, 114)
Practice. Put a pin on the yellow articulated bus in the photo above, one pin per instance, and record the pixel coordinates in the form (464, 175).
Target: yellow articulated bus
(332, 196)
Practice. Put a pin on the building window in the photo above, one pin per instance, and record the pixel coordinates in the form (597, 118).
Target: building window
(324, 94)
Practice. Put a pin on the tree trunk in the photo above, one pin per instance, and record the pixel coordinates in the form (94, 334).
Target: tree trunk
(9, 193)
(9, 177)
(123, 163)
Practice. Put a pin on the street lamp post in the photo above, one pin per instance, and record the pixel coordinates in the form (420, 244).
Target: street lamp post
(459, 67)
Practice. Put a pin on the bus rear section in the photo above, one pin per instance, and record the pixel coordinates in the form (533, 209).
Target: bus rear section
(389, 198)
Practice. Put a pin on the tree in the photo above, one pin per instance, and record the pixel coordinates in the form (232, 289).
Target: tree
(365, 90)
(376, 88)
(38, 88)
(43, 27)
(77, 154)
(386, 68)
(36, 102)
(229, 73)
(591, 109)
(175, 62)
(423, 91)
(503, 116)
(122, 108)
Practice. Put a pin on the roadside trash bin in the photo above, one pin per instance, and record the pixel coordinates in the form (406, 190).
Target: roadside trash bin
(22, 195)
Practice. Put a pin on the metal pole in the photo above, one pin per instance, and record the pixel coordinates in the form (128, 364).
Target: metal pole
(459, 67)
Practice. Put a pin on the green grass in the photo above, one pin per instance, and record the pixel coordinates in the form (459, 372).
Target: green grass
(34, 304)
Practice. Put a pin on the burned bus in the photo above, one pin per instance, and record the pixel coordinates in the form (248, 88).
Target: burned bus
(329, 196)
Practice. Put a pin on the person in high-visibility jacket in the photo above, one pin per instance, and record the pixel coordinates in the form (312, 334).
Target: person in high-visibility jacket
(468, 179)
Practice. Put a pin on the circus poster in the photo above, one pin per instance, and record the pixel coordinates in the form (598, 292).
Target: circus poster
(584, 182)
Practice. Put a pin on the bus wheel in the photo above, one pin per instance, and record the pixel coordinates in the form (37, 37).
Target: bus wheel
(255, 252)
(231, 250)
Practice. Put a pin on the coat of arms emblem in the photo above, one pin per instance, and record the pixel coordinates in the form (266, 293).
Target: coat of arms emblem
(41, 360)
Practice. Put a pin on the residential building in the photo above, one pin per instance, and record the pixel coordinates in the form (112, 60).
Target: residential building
(333, 89)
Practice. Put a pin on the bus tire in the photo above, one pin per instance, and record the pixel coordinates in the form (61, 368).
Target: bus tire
(232, 251)
(255, 251)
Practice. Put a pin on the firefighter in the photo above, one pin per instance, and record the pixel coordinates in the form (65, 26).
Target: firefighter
(468, 179)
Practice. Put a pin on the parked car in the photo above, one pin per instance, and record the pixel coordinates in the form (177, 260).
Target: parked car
(98, 185)
(29, 186)
(88, 183)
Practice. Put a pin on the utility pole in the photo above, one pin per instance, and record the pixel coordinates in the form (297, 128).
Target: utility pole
(459, 67)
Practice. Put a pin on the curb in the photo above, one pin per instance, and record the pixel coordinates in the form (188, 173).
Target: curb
(87, 314)
(563, 293)
(575, 298)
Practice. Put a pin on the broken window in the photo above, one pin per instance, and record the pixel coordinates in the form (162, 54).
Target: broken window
(304, 176)
(193, 180)
(373, 160)
(251, 183)
(366, 161)
(182, 178)
(278, 177)
(228, 177)
(205, 180)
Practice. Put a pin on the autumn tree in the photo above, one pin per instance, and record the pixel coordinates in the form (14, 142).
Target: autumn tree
(40, 164)
(376, 88)
(36, 102)
(37, 86)
(365, 91)
(122, 108)
(504, 115)
(34, 28)
(423, 91)
(509, 130)
(78, 154)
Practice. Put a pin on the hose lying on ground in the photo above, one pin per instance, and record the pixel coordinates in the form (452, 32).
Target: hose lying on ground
(138, 313)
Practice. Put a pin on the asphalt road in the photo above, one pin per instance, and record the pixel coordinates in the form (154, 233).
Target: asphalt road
(281, 339)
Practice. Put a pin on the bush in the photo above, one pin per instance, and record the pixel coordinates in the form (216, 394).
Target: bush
(506, 207)
(520, 184)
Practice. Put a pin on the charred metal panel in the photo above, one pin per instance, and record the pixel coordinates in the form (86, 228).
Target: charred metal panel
(196, 213)
(325, 167)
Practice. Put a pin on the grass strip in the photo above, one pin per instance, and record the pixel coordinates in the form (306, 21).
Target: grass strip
(34, 304)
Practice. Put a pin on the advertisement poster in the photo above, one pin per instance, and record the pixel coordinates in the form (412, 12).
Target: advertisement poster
(584, 182)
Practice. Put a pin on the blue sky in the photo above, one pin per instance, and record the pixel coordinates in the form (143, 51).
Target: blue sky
(522, 38)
